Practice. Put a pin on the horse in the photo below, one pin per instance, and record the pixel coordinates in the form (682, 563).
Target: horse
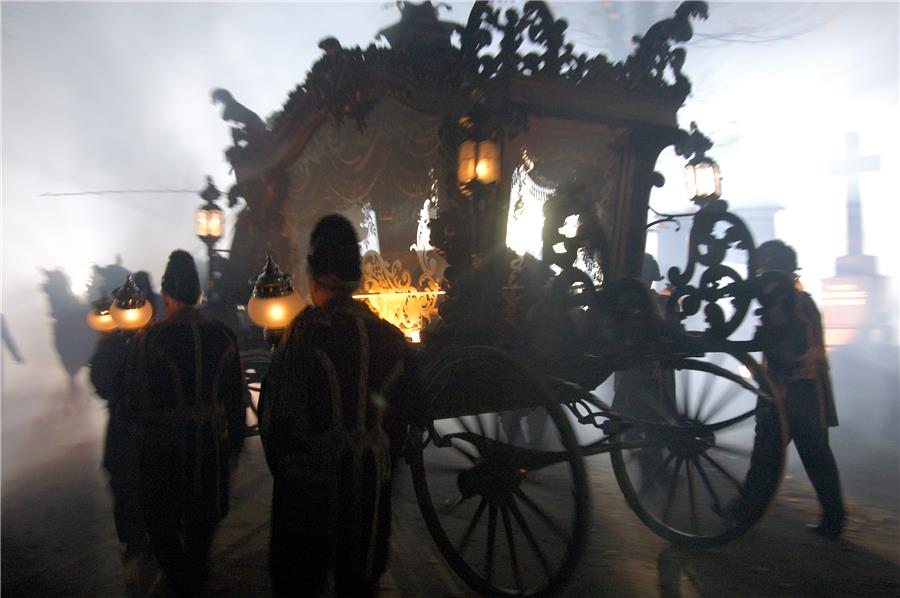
(73, 339)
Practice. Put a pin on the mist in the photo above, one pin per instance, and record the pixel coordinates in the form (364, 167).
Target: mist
(107, 96)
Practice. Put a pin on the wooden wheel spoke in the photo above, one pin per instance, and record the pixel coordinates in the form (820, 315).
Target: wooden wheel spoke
(660, 411)
(673, 486)
(723, 471)
(526, 530)
(709, 380)
(510, 541)
(724, 400)
(732, 450)
(733, 422)
(492, 533)
(695, 526)
(464, 542)
(658, 469)
(706, 483)
(494, 419)
(470, 457)
(465, 425)
(541, 514)
(686, 390)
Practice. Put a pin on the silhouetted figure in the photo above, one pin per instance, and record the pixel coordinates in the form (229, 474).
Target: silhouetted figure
(250, 129)
(120, 449)
(798, 366)
(184, 393)
(327, 435)
(72, 337)
(142, 280)
(106, 279)
(9, 343)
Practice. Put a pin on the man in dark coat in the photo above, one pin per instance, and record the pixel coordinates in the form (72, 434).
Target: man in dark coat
(120, 448)
(185, 395)
(120, 456)
(330, 417)
(798, 366)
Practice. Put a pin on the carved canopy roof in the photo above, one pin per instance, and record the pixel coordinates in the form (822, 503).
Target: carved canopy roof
(513, 61)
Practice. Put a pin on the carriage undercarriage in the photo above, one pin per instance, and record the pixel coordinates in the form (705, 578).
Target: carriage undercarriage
(490, 484)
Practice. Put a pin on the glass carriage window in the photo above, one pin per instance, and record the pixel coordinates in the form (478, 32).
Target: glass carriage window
(370, 225)
(423, 230)
(426, 215)
(526, 211)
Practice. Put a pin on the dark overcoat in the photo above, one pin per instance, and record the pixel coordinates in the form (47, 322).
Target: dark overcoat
(184, 393)
(344, 351)
(797, 353)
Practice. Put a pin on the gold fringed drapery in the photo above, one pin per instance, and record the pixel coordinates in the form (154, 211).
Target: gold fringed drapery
(385, 164)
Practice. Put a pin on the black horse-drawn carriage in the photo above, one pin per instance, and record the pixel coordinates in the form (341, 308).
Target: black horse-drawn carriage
(501, 182)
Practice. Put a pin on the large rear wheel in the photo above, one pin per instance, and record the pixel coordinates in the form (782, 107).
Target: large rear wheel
(700, 462)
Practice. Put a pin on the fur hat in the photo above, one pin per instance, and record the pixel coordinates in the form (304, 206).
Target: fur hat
(180, 280)
(334, 253)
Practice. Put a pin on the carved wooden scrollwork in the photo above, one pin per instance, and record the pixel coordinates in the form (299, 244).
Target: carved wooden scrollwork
(578, 256)
(422, 62)
(714, 232)
(654, 57)
(388, 287)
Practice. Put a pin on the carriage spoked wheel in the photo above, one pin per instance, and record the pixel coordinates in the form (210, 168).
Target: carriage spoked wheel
(504, 493)
(687, 473)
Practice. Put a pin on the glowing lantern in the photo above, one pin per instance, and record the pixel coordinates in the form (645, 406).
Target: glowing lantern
(703, 179)
(209, 220)
(274, 302)
(478, 160)
(130, 309)
(99, 317)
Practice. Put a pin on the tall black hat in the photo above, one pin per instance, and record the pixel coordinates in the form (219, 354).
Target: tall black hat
(180, 280)
(334, 253)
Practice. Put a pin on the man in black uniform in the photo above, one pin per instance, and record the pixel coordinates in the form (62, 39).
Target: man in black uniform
(120, 456)
(798, 366)
(184, 394)
(330, 418)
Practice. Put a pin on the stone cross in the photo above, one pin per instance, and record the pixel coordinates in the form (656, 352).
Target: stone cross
(852, 167)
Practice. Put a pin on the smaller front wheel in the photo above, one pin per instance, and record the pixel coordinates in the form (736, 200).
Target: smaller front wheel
(701, 460)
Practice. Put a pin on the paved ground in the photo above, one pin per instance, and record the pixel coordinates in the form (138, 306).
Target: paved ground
(58, 538)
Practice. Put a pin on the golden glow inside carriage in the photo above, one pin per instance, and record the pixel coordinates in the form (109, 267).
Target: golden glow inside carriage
(407, 310)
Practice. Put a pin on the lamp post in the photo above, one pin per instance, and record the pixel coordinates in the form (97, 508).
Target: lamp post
(130, 309)
(209, 222)
(274, 302)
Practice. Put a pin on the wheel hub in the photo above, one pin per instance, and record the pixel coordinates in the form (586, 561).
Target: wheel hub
(490, 480)
(692, 441)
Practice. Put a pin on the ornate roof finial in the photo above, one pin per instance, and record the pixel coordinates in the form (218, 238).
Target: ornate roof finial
(418, 24)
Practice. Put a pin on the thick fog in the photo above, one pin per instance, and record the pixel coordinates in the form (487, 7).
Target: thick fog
(113, 97)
